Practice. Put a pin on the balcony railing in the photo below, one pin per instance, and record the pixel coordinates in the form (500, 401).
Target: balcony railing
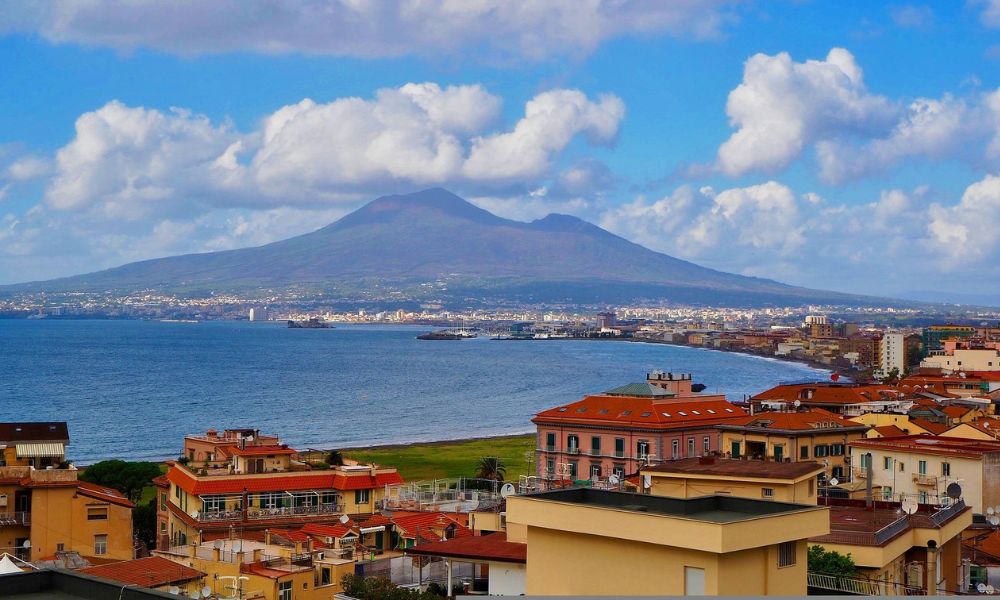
(550, 448)
(619, 454)
(860, 587)
(924, 479)
(263, 514)
(15, 518)
(573, 450)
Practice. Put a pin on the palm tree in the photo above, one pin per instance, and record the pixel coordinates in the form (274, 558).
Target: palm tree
(491, 467)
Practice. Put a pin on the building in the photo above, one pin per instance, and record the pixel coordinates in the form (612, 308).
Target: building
(258, 314)
(713, 476)
(891, 354)
(920, 468)
(606, 320)
(152, 572)
(38, 445)
(896, 553)
(48, 584)
(936, 335)
(809, 435)
(505, 561)
(215, 448)
(587, 542)
(848, 399)
(962, 360)
(616, 432)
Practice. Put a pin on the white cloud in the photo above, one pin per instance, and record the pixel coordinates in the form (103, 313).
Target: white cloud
(532, 29)
(783, 106)
(966, 234)
(27, 168)
(912, 16)
(990, 15)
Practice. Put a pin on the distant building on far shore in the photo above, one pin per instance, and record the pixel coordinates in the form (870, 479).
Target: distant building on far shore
(258, 314)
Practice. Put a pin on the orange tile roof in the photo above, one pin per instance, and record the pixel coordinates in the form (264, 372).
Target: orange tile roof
(317, 480)
(261, 450)
(493, 547)
(931, 426)
(829, 393)
(107, 494)
(956, 411)
(929, 444)
(424, 524)
(154, 571)
(338, 530)
(807, 420)
(642, 412)
(890, 431)
(376, 520)
(988, 425)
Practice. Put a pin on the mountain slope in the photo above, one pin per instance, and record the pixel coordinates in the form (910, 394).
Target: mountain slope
(408, 241)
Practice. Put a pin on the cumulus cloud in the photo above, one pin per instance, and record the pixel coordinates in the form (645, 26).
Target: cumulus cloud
(783, 108)
(965, 234)
(135, 162)
(990, 15)
(534, 29)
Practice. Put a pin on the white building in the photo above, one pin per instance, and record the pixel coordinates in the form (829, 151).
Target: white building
(892, 353)
(258, 314)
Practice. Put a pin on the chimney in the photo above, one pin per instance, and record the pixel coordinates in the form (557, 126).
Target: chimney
(869, 501)
(932, 574)
(298, 547)
(309, 545)
(256, 555)
(267, 537)
(216, 554)
(193, 550)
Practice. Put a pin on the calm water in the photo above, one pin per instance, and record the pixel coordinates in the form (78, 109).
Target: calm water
(132, 389)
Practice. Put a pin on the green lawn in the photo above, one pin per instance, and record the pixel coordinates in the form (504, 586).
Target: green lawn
(438, 460)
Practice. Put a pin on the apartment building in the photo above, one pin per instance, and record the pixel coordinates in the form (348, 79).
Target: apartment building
(616, 432)
(920, 468)
(709, 475)
(804, 435)
(581, 541)
(848, 399)
(39, 445)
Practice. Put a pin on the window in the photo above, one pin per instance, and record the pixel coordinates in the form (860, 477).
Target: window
(767, 492)
(163, 501)
(642, 448)
(779, 453)
(694, 581)
(690, 446)
(572, 469)
(945, 469)
(619, 447)
(734, 449)
(804, 452)
(886, 462)
(836, 449)
(821, 450)
(213, 503)
(549, 466)
(60, 547)
(786, 554)
(324, 576)
(99, 513)
(550, 441)
(706, 445)
(619, 471)
(675, 448)
(328, 498)
(595, 445)
(902, 467)
(285, 590)
(595, 471)
(923, 498)
(573, 443)
(812, 487)
(361, 496)
(922, 467)
(100, 545)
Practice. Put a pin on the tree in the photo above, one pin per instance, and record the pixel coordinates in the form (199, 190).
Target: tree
(129, 478)
(144, 523)
(380, 588)
(334, 458)
(491, 467)
(830, 562)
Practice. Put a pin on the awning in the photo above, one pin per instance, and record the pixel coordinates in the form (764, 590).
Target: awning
(41, 450)
(372, 529)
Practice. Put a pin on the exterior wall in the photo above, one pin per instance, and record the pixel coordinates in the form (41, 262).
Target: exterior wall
(271, 464)
(968, 432)
(903, 476)
(59, 516)
(792, 446)
(965, 360)
(892, 353)
(884, 419)
(507, 579)
(660, 446)
(691, 487)
(264, 588)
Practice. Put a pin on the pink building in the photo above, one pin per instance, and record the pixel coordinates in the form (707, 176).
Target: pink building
(614, 433)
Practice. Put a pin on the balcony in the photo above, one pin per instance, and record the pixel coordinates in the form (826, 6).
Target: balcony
(619, 454)
(573, 450)
(10, 519)
(266, 514)
(550, 448)
(595, 451)
(861, 473)
(924, 479)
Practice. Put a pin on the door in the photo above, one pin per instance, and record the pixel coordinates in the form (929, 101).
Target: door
(694, 581)
(779, 453)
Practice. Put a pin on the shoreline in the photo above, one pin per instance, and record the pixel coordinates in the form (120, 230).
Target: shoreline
(436, 443)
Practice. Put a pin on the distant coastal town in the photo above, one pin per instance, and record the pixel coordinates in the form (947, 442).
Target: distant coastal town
(876, 487)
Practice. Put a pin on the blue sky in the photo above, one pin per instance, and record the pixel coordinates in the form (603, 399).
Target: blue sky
(853, 146)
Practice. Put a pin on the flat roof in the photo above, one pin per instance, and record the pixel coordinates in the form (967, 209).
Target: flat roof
(67, 585)
(713, 509)
(734, 467)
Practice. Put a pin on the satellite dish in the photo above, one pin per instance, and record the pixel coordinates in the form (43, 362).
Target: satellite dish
(206, 592)
(507, 490)
(26, 544)
(797, 403)
(834, 481)
(174, 590)
(990, 589)
(613, 480)
(994, 520)
(909, 506)
(219, 544)
(954, 491)
(194, 514)
(981, 588)
(344, 519)
(990, 511)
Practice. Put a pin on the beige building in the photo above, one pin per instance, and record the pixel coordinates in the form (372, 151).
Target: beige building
(965, 360)
(709, 476)
(593, 542)
(920, 468)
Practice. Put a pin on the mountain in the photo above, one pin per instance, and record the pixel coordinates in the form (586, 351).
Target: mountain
(433, 244)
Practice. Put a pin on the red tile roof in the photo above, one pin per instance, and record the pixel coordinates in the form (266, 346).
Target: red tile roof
(493, 547)
(829, 393)
(956, 411)
(317, 480)
(633, 411)
(338, 530)
(107, 494)
(154, 571)
(814, 419)
(376, 520)
(261, 450)
(728, 467)
(426, 525)
(889, 431)
(931, 426)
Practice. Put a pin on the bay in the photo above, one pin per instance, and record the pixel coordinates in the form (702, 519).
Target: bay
(133, 389)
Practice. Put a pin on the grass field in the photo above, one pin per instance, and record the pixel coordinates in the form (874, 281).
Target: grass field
(438, 460)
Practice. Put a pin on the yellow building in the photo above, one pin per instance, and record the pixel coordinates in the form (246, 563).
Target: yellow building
(807, 435)
(986, 359)
(708, 476)
(38, 445)
(593, 542)
(47, 511)
(152, 572)
(879, 420)
(895, 553)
